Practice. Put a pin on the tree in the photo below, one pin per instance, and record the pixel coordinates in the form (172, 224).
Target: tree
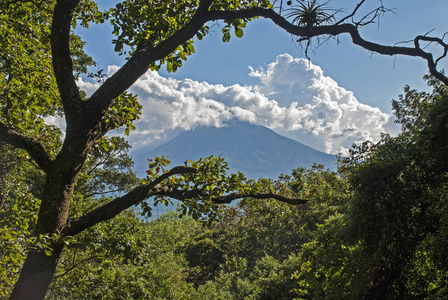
(255, 250)
(41, 59)
(397, 213)
(386, 238)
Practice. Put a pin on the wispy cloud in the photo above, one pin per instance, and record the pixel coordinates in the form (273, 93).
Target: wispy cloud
(293, 97)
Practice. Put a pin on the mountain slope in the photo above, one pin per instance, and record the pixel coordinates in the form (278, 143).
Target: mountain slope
(255, 150)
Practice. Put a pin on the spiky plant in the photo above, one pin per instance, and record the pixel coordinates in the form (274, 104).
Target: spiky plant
(310, 13)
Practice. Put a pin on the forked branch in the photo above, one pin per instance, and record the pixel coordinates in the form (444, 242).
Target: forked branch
(29, 144)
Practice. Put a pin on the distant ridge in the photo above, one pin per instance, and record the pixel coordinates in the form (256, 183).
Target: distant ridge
(254, 150)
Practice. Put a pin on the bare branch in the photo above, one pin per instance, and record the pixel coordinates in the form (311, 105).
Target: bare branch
(411, 41)
(98, 164)
(226, 199)
(232, 197)
(29, 144)
(431, 40)
(352, 14)
(75, 265)
(3, 198)
(371, 16)
(337, 29)
(101, 193)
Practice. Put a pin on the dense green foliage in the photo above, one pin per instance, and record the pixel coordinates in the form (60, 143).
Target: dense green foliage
(253, 250)
(107, 171)
(20, 184)
(375, 230)
(28, 87)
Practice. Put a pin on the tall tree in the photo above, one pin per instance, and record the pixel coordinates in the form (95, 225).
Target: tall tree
(397, 212)
(39, 64)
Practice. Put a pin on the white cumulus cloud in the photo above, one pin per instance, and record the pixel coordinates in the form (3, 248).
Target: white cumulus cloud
(293, 97)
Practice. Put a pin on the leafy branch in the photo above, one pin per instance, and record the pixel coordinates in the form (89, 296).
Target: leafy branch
(201, 188)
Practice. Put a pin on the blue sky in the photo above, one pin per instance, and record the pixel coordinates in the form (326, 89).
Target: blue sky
(373, 79)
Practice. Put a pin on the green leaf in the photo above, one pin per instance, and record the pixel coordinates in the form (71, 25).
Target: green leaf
(239, 32)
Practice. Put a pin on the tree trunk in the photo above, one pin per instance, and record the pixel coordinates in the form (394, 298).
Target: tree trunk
(38, 270)
(36, 275)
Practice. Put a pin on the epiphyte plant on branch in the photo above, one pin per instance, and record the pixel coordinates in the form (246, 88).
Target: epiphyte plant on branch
(310, 13)
(42, 57)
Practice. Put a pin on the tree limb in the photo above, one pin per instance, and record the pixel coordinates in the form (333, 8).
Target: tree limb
(75, 265)
(352, 14)
(101, 193)
(337, 29)
(3, 198)
(234, 196)
(122, 203)
(432, 40)
(29, 144)
(154, 188)
(62, 61)
(226, 199)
